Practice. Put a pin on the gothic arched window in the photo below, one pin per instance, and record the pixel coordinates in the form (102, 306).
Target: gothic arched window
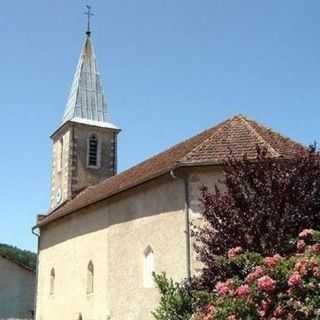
(149, 268)
(93, 151)
(52, 280)
(90, 278)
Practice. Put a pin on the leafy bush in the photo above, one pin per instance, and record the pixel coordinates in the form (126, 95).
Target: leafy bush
(176, 302)
(265, 202)
(253, 267)
(276, 288)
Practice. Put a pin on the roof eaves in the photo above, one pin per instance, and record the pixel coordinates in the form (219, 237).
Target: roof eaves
(50, 217)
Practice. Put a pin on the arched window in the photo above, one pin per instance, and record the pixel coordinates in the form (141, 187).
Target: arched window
(90, 278)
(149, 268)
(93, 151)
(52, 281)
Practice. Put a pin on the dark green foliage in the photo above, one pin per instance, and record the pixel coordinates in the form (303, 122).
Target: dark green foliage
(22, 257)
(223, 268)
(176, 302)
(239, 307)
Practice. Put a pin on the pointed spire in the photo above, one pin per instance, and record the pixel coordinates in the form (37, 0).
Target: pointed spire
(86, 102)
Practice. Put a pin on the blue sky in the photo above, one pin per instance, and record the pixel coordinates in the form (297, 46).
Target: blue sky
(170, 69)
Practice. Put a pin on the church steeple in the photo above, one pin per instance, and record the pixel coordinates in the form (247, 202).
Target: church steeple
(86, 102)
(85, 144)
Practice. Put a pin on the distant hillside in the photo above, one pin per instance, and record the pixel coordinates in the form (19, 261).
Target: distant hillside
(23, 257)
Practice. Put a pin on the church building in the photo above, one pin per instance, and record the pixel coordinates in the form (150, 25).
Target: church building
(107, 232)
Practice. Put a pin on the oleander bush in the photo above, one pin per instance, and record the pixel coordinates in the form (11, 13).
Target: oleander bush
(272, 287)
(253, 264)
(261, 287)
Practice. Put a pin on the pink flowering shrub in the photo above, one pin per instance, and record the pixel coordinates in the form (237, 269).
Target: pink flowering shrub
(233, 252)
(272, 288)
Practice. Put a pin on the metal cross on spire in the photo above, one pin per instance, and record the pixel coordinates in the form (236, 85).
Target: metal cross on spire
(89, 14)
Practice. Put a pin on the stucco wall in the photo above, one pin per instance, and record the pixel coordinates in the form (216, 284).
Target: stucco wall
(113, 235)
(16, 291)
(199, 177)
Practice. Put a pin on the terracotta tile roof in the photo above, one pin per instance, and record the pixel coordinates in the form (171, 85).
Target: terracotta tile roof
(238, 134)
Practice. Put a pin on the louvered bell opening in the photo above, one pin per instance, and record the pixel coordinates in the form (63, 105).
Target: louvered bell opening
(93, 152)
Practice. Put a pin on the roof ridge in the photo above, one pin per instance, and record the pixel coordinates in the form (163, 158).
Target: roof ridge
(217, 128)
(259, 137)
(259, 124)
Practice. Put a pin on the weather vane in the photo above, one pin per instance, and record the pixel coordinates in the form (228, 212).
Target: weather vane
(89, 14)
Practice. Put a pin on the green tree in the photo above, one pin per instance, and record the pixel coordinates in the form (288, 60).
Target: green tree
(23, 257)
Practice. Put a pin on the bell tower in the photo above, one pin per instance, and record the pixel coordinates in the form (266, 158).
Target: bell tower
(85, 144)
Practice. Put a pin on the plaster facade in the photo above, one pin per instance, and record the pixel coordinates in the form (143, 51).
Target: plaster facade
(114, 234)
(17, 286)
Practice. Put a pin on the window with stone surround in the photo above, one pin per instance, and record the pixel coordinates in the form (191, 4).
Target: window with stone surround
(93, 157)
(149, 268)
(90, 278)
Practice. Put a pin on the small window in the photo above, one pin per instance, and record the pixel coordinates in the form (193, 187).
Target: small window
(149, 268)
(93, 148)
(52, 281)
(60, 155)
(90, 278)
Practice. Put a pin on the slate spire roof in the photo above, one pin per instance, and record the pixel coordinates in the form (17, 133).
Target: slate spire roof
(238, 135)
(86, 102)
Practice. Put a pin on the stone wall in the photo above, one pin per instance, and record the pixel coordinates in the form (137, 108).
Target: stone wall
(74, 174)
(82, 175)
(61, 177)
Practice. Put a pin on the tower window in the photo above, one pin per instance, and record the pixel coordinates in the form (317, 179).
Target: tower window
(149, 268)
(52, 281)
(93, 151)
(60, 155)
(90, 278)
